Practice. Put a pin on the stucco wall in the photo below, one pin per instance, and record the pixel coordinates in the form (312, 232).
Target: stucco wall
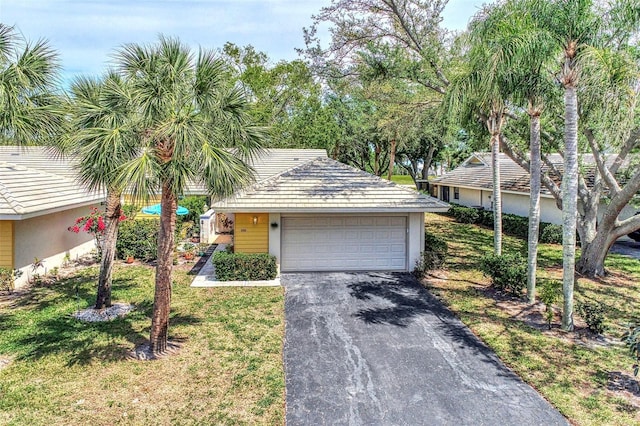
(46, 237)
(416, 239)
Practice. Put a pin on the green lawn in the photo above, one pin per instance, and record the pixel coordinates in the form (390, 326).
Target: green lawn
(402, 179)
(571, 372)
(62, 371)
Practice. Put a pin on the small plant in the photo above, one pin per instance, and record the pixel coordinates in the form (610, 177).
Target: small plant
(508, 272)
(632, 340)
(6, 280)
(434, 254)
(202, 249)
(594, 314)
(549, 293)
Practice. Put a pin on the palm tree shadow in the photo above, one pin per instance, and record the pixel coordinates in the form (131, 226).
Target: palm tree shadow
(398, 301)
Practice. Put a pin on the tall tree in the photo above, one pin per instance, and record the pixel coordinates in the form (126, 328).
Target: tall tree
(194, 128)
(102, 137)
(526, 50)
(30, 112)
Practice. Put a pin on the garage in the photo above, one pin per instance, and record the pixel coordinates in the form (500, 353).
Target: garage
(323, 215)
(344, 243)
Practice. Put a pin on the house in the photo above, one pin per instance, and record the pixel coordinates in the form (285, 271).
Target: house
(471, 184)
(312, 213)
(39, 200)
(323, 215)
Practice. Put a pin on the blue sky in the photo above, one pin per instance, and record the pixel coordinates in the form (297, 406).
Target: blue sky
(86, 32)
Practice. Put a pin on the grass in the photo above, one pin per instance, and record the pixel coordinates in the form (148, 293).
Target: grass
(573, 376)
(402, 179)
(62, 371)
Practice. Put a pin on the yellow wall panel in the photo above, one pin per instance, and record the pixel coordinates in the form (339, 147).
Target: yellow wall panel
(250, 237)
(6, 244)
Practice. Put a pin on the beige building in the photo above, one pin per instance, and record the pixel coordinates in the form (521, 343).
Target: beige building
(471, 184)
(39, 200)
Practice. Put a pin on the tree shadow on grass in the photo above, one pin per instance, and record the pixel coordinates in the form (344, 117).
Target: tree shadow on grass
(399, 300)
(52, 330)
(82, 343)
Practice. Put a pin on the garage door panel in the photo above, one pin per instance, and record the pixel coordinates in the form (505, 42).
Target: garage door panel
(342, 243)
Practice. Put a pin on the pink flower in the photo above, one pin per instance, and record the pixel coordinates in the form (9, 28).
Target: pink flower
(100, 224)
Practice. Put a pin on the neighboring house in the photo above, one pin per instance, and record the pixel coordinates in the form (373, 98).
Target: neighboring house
(323, 215)
(39, 200)
(471, 184)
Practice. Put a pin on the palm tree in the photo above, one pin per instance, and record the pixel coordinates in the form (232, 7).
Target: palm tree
(482, 91)
(194, 128)
(526, 51)
(575, 26)
(30, 113)
(102, 137)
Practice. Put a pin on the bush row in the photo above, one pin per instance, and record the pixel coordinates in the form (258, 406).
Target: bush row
(512, 224)
(244, 267)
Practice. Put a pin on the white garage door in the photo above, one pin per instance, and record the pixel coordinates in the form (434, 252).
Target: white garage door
(344, 243)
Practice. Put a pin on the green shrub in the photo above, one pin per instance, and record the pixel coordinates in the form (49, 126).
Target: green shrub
(434, 254)
(593, 314)
(6, 280)
(244, 267)
(549, 292)
(550, 233)
(140, 238)
(486, 218)
(464, 214)
(517, 226)
(508, 272)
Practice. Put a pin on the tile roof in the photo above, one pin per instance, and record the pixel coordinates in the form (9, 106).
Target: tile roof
(32, 182)
(27, 192)
(476, 172)
(326, 185)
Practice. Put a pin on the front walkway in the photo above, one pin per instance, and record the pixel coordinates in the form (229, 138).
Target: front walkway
(379, 349)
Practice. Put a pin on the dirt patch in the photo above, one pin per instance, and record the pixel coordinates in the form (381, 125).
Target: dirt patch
(5, 361)
(143, 352)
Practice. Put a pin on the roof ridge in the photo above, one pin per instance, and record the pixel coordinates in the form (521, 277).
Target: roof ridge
(256, 184)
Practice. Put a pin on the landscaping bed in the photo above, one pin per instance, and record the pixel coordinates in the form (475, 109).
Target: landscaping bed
(588, 377)
(55, 369)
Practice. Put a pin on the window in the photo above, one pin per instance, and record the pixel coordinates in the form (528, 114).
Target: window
(456, 193)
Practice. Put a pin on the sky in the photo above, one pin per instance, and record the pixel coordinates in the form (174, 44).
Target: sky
(86, 32)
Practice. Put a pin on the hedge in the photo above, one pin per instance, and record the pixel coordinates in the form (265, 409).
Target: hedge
(512, 224)
(434, 254)
(244, 267)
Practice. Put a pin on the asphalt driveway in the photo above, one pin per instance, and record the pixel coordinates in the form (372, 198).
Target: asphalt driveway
(378, 349)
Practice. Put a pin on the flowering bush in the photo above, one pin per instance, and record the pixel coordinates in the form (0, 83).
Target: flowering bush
(93, 223)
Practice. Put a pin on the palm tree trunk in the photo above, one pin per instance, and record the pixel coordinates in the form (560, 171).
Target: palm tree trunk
(162, 297)
(494, 125)
(112, 216)
(392, 158)
(569, 204)
(534, 205)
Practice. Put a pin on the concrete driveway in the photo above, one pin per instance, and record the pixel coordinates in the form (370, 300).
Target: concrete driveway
(378, 349)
